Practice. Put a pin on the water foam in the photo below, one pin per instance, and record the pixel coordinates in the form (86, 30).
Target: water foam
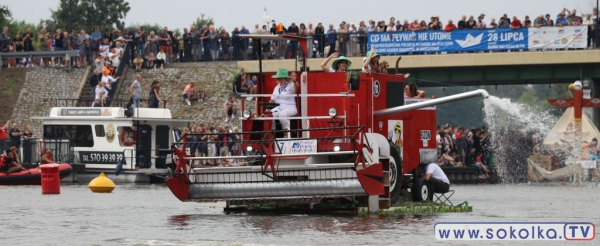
(513, 127)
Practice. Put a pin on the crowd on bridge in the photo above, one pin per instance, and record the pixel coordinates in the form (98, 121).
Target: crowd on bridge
(155, 48)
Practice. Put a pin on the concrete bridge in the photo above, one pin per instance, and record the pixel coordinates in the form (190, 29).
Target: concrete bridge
(497, 68)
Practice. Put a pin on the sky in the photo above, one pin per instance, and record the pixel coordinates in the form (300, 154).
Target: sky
(229, 13)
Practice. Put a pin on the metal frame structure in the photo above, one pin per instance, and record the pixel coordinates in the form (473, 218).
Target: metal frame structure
(68, 54)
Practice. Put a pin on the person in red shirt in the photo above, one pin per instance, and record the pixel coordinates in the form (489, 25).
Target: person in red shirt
(4, 136)
(450, 26)
(516, 23)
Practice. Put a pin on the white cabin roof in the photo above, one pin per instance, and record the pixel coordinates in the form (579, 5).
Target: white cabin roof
(85, 114)
(105, 113)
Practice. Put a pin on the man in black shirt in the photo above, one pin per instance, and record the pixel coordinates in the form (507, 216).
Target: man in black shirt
(5, 39)
(187, 46)
(94, 81)
(27, 40)
(294, 31)
(15, 136)
(204, 36)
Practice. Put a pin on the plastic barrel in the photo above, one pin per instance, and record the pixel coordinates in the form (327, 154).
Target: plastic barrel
(50, 179)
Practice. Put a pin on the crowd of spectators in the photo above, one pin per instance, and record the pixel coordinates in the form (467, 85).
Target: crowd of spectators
(212, 141)
(11, 140)
(459, 146)
(155, 48)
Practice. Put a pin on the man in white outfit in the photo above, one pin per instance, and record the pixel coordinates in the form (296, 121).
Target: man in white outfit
(437, 178)
(287, 105)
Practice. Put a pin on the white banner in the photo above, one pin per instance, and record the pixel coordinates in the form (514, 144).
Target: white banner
(549, 38)
(297, 146)
(408, 101)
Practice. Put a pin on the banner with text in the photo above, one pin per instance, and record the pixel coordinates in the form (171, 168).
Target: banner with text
(549, 38)
(479, 40)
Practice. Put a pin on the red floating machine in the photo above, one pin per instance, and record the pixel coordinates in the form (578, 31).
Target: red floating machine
(355, 136)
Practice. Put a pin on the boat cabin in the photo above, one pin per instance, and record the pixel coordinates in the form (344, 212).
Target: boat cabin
(101, 138)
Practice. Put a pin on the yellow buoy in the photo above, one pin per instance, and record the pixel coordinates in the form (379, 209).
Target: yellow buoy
(102, 184)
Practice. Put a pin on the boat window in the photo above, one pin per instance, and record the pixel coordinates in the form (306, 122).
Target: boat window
(100, 131)
(395, 88)
(162, 137)
(78, 135)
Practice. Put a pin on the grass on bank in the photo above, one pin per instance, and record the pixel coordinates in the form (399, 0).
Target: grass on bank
(11, 83)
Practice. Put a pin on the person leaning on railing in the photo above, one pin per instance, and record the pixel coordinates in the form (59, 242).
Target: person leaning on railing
(28, 140)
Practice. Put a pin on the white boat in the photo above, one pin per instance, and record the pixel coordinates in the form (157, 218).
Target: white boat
(98, 140)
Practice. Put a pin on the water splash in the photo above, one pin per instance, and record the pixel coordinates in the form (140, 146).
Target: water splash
(513, 127)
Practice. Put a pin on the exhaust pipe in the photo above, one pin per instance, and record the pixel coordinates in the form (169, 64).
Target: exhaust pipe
(432, 102)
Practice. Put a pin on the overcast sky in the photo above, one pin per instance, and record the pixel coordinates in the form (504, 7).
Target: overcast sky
(229, 13)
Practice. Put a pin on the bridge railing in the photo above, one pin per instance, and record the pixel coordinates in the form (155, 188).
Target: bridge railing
(119, 72)
(357, 44)
(67, 54)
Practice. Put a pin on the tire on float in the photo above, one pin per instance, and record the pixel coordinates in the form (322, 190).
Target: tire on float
(395, 174)
(421, 190)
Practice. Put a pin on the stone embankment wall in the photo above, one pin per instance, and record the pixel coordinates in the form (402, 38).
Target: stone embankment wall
(39, 93)
(215, 78)
(44, 85)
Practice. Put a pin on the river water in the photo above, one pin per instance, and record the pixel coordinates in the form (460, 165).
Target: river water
(151, 215)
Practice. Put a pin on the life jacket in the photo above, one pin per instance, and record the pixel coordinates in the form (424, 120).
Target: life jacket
(3, 135)
(3, 164)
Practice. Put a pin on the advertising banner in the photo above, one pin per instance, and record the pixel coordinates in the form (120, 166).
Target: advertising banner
(500, 39)
(550, 38)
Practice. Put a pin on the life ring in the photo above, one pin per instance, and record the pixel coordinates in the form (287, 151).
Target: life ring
(127, 136)
(40, 147)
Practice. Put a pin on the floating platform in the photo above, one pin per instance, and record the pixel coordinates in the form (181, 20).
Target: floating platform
(402, 207)
(408, 207)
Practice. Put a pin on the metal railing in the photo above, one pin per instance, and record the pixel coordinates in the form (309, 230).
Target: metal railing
(119, 72)
(67, 54)
(31, 151)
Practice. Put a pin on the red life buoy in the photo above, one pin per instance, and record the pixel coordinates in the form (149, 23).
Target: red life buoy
(127, 136)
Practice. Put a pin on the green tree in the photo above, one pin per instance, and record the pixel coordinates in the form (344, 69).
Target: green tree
(87, 14)
(203, 20)
(5, 15)
(156, 28)
(20, 26)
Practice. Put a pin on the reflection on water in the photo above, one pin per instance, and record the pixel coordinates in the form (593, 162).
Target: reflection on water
(151, 215)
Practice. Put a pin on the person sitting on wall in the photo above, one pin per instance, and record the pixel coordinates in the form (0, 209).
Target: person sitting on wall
(437, 178)
(230, 107)
(470, 161)
(249, 86)
(138, 62)
(449, 158)
(47, 158)
(189, 93)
